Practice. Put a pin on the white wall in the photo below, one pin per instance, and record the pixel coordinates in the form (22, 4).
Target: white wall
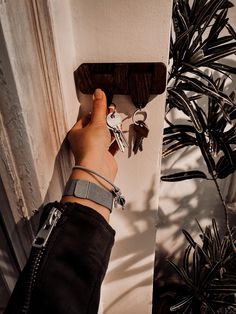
(121, 31)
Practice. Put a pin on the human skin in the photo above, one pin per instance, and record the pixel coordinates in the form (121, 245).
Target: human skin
(94, 148)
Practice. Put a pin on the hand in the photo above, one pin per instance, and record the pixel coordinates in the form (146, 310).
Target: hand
(90, 140)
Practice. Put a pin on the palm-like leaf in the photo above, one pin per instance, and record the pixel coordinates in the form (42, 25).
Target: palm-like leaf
(184, 175)
(208, 277)
(196, 37)
(211, 129)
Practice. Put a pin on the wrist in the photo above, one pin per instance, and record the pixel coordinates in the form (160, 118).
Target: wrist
(84, 175)
(78, 174)
(81, 186)
(101, 165)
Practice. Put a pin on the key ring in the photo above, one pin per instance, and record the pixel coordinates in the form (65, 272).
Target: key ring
(112, 108)
(141, 112)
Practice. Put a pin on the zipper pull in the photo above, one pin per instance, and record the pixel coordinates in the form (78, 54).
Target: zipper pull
(43, 235)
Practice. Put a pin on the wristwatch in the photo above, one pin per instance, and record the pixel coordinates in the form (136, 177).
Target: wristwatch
(91, 191)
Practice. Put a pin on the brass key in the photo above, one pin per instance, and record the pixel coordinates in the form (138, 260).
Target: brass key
(141, 132)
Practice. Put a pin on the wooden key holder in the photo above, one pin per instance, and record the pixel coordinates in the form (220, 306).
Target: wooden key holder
(139, 80)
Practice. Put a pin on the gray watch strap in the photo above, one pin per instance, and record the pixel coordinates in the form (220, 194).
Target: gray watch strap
(91, 191)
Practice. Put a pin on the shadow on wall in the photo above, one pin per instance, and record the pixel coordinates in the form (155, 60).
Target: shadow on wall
(134, 249)
(181, 203)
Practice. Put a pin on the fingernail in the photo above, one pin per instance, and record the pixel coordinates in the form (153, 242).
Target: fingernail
(98, 94)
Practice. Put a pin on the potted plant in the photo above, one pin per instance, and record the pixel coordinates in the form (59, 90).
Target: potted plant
(209, 275)
(202, 38)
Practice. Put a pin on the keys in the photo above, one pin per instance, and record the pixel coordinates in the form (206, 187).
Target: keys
(141, 131)
(114, 122)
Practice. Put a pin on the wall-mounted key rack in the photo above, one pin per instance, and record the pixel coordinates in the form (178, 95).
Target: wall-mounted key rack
(139, 80)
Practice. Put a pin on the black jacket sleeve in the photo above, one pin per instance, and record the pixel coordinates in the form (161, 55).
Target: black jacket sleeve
(72, 268)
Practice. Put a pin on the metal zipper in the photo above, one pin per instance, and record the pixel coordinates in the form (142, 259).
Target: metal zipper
(37, 253)
(44, 233)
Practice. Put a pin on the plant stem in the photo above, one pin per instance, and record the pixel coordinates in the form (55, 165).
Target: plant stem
(225, 213)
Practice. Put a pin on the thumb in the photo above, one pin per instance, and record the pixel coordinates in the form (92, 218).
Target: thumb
(99, 111)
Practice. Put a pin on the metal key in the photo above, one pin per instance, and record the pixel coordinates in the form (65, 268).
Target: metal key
(114, 122)
(141, 131)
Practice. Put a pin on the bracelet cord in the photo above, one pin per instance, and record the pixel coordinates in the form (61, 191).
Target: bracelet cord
(119, 198)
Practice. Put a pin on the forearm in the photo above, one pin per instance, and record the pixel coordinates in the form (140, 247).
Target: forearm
(73, 265)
